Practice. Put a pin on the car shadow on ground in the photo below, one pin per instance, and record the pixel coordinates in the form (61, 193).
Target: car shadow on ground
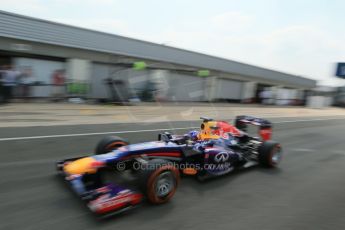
(147, 212)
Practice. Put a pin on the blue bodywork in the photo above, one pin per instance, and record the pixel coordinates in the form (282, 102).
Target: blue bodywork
(138, 149)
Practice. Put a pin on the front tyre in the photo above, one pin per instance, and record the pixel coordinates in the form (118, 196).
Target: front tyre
(110, 143)
(159, 180)
(270, 154)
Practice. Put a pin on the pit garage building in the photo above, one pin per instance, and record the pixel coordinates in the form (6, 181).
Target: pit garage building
(91, 56)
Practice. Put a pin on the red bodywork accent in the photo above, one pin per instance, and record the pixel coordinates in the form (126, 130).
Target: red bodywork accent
(173, 154)
(265, 133)
(225, 127)
(119, 202)
(97, 164)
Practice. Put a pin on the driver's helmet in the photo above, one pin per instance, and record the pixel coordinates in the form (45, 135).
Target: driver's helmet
(193, 135)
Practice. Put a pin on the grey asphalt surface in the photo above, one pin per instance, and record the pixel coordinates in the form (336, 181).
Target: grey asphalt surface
(305, 192)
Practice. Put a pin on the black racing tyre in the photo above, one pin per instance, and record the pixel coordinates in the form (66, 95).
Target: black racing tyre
(159, 180)
(109, 143)
(270, 154)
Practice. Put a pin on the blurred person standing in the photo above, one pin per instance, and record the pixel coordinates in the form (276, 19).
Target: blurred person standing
(2, 90)
(58, 82)
(9, 81)
(26, 80)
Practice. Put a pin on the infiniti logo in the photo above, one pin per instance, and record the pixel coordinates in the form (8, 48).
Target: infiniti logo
(221, 157)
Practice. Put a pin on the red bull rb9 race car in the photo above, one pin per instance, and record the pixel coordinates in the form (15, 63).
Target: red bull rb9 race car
(120, 175)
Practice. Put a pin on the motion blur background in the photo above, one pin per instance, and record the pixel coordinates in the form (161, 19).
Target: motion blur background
(63, 61)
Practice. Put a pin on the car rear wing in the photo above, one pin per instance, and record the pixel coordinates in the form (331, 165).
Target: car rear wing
(265, 126)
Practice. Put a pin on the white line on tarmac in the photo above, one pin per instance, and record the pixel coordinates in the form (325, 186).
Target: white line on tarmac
(138, 131)
(305, 120)
(26, 162)
(90, 134)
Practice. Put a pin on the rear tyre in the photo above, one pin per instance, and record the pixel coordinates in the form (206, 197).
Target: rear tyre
(270, 154)
(109, 144)
(159, 180)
